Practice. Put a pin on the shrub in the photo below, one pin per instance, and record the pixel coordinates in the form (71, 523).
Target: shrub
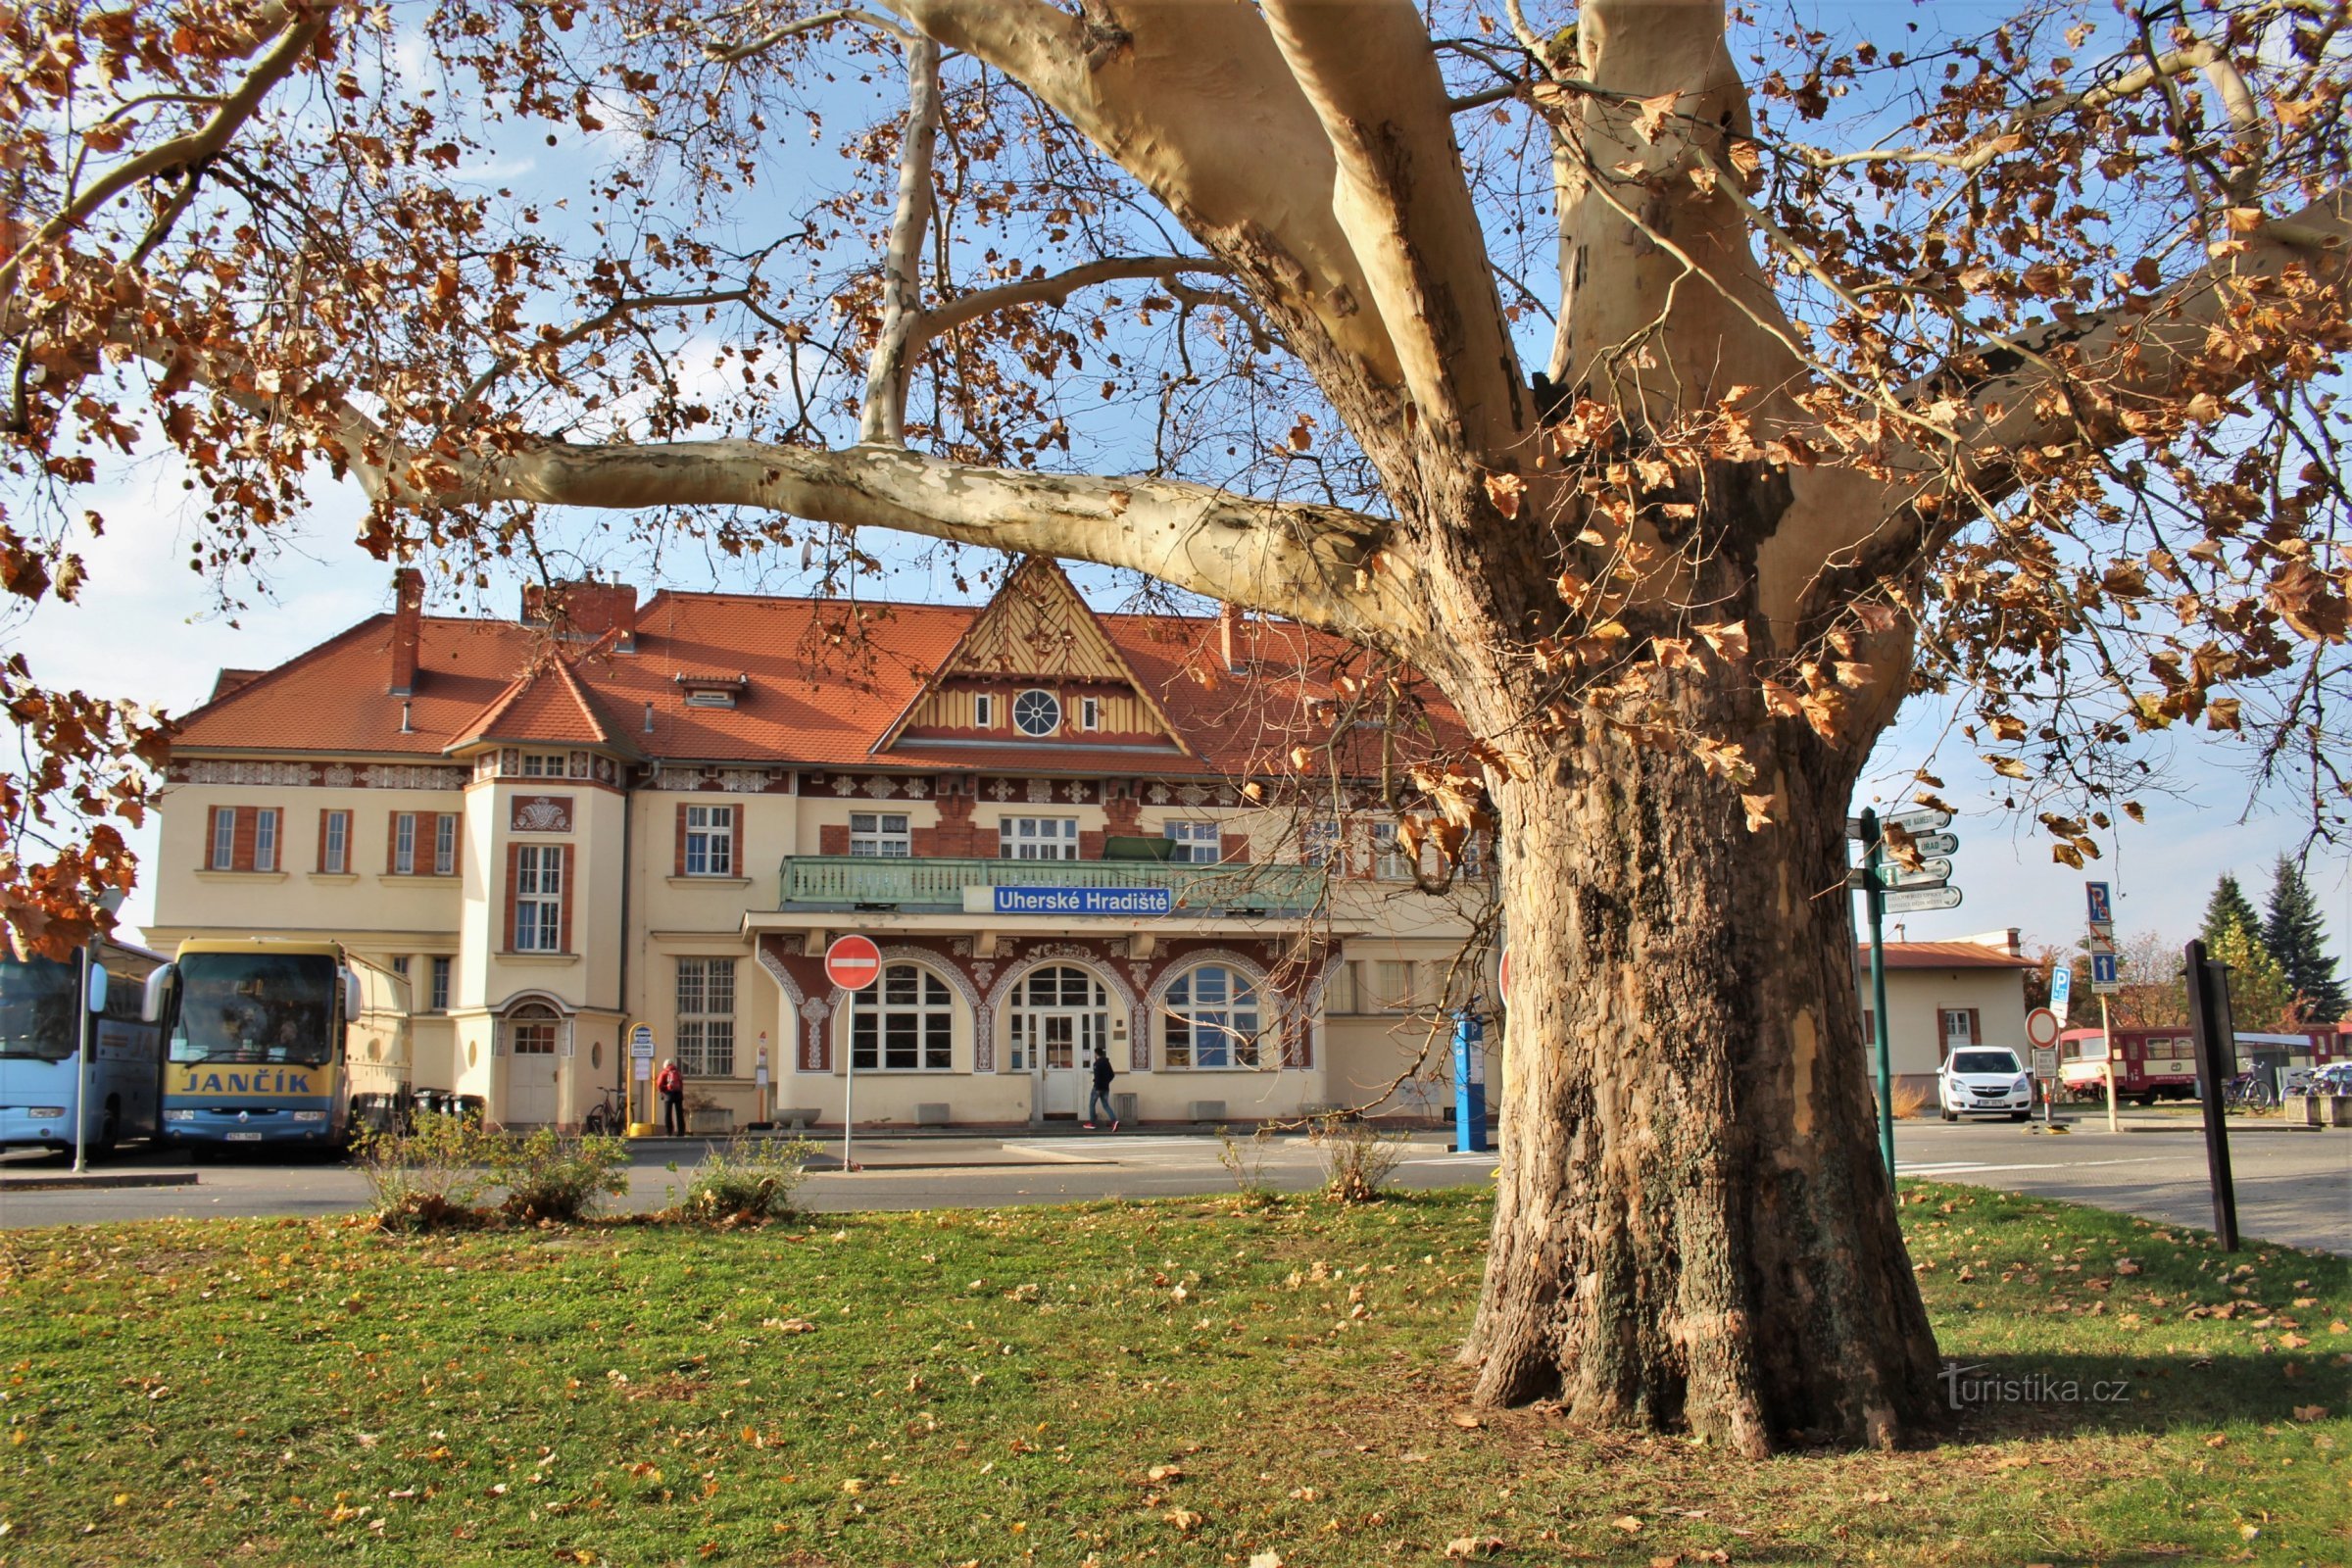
(748, 1179)
(428, 1178)
(1357, 1158)
(549, 1176)
(1908, 1101)
(1244, 1160)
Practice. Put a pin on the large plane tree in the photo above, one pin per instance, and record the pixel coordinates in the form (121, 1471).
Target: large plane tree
(1676, 390)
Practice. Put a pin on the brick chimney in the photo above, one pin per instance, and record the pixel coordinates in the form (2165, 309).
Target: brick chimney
(1229, 635)
(408, 616)
(584, 611)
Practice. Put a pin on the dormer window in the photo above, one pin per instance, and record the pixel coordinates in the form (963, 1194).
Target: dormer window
(711, 691)
(1090, 713)
(1037, 713)
(984, 712)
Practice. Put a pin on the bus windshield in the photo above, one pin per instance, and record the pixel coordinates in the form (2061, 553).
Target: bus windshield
(255, 1006)
(38, 998)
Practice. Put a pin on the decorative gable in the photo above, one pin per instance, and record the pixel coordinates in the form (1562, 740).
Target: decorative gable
(1036, 652)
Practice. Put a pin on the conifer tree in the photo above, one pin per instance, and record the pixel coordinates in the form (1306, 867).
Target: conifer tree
(2227, 908)
(2292, 932)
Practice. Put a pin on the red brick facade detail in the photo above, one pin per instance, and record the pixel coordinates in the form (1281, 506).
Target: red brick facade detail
(833, 838)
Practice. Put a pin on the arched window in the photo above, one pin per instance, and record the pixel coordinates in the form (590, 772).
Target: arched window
(1058, 1018)
(904, 1023)
(531, 1030)
(1212, 1018)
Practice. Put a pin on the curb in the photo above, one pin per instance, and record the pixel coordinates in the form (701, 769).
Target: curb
(70, 1183)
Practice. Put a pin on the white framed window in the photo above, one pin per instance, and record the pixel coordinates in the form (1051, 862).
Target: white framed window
(543, 765)
(539, 898)
(905, 1023)
(1958, 1028)
(439, 1002)
(1213, 1019)
(444, 844)
(265, 839)
(224, 838)
(1037, 713)
(1197, 843)
(984, 712)
(706, 1016)
(404, 842)
(1388, 863)
(335, 844)
(880, 835)
(710, 841)
(1061, 1015)
(711, 697)
(1090, 713)
(1037, 838)
(1319, 844)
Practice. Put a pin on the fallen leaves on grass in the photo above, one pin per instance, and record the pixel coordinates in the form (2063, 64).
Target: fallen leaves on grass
(1185, 1520)
(1629, 1524)
(1467, 1546)
(1469, 1420)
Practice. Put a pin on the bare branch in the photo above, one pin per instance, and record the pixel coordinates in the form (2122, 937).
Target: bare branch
(1054, 288)
(728, 54)
(181, 154)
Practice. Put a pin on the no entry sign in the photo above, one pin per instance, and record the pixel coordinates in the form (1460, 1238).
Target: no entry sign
(852, 962)
(2041, 1028)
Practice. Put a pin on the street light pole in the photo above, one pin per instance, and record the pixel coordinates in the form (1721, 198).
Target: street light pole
(81, 1062)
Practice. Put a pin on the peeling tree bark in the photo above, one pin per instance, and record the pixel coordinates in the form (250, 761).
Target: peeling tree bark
(883, 417)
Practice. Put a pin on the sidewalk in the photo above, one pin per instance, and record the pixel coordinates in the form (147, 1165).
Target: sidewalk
(63, 1180)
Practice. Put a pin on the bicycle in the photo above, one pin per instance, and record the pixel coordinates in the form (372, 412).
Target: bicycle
(607, 1115)
(2249, 1091)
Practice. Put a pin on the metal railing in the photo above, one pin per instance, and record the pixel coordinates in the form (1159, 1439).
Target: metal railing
(853, 882)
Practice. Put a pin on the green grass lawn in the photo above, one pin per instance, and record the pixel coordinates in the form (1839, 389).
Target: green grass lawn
(1111, 1383)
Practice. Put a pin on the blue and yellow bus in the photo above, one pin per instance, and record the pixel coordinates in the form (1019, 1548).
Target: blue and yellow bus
(43, 1004)
(291, 1043)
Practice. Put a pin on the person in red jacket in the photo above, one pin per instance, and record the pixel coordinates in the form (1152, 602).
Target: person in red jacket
(670, 1084)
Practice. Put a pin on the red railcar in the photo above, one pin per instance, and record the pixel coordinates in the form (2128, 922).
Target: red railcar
(2152, 1064)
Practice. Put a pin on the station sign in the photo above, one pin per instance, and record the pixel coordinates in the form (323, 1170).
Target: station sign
(1082, 900)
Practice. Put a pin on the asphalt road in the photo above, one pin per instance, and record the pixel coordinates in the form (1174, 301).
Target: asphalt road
(2292, 1186)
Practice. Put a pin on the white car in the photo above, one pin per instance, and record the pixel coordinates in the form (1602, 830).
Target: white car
(1985, 1081)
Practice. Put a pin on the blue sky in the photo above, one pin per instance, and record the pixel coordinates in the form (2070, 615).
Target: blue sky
(148, 628)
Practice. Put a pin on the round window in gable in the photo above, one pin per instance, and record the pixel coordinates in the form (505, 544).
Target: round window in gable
(1037, 713)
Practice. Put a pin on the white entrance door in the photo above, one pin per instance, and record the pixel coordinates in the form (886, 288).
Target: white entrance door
(1060, 1016)
(530, 1097)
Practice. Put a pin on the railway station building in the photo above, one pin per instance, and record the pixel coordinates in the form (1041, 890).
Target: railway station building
(1064, 829)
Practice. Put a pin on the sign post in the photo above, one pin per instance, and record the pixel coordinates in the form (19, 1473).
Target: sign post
(641, 1071)
(2099, 904)
(1874, 899)
(852, 962)
(2042, 1033)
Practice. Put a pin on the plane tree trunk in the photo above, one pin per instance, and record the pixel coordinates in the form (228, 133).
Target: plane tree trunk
(1694, 1228)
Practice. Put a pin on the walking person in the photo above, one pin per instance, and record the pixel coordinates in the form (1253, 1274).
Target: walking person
(670, 1084)
(1100, 1097)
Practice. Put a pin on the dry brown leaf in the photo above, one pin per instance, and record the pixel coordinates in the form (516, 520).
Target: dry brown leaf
(1506, 491)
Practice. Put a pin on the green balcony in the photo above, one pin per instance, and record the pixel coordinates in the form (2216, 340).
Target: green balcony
(844, 882)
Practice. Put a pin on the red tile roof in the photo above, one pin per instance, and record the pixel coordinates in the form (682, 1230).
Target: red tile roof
(826, 679)
(1946, 956)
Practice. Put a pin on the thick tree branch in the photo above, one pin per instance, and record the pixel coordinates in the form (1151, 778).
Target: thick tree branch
(1195, 102)
(1370, 73)
(1664, 84)
(1312, 563)
(2097, 381)
(729, 53)
(883, 414)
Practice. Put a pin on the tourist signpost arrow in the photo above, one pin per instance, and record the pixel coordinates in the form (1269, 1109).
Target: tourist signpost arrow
(1927, 874)
(1913, 900)
(852, 962)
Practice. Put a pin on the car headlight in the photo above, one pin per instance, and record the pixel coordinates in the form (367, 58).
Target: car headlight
(48, 1110)
(179, 1116)
(2024, 1084)
(309, 1115)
